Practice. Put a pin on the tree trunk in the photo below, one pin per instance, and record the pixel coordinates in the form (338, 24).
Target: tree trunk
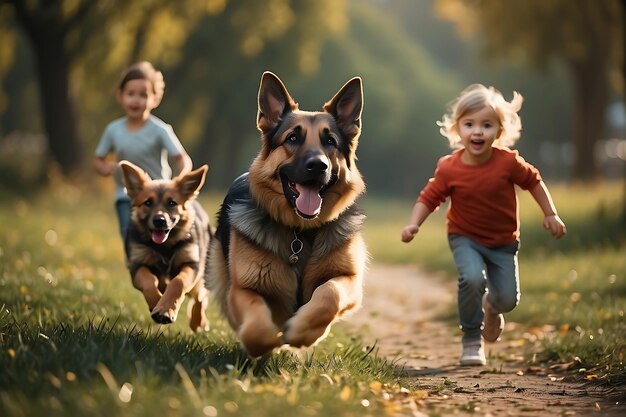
(46, 29)
(58, 110)
(624, 92)
(591, 95)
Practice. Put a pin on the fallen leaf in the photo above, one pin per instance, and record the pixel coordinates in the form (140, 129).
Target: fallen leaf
(345, 393)
(562, 367)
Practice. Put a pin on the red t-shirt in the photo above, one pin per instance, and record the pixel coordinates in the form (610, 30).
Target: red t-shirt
(483, 203)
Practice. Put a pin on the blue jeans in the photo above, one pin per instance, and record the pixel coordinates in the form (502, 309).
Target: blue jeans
(122, 207)
(481, 269)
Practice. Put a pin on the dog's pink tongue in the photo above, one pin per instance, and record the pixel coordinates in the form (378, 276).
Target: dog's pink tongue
(159, 236)
(309, 201)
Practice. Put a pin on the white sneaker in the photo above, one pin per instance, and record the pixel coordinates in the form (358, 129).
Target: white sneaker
(473, 354)
(494, 322)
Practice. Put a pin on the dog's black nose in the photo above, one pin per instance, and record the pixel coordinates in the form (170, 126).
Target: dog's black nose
(316, 164)
(159, 222)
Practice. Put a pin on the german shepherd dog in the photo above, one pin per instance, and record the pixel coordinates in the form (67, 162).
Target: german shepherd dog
(167, 242)
(288, 257)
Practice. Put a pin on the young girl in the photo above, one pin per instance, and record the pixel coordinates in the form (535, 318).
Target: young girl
(139, 137)
(483, 223)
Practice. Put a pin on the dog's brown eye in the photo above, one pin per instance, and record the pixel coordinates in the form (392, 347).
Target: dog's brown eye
(172, 203)
(148, 203)
(292, 138)
(328, 139)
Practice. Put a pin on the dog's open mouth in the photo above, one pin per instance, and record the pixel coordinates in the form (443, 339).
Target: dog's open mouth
(308, 200)
(307, 197)
(159, 236)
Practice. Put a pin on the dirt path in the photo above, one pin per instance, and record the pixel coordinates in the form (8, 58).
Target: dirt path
(399, 314)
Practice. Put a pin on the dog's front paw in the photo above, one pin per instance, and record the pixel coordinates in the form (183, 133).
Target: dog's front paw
(259, 339)
(163, 316)
(166, 310)
(299, 333)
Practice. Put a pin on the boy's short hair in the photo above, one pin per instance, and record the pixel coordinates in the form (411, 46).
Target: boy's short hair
(144, 70)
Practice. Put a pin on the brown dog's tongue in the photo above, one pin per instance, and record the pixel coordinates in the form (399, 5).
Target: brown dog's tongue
(159, 236)
(309, 201)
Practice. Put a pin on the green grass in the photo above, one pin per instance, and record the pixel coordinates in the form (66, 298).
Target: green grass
(573, 289)
(77, 339)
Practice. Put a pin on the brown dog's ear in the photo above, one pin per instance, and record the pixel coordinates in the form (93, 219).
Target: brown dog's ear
(346, 107)
(134, 178)
(274, 102)
(190, 184)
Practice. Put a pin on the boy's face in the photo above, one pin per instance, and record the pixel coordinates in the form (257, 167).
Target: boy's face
(137, 99)
(478, 131)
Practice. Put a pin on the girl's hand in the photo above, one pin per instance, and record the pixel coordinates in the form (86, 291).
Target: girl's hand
(409, 232)
(555, 225)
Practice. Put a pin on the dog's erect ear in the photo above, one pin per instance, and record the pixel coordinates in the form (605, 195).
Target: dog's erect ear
(190, 184)
(274, 102)
(346, 107)
(134, 178)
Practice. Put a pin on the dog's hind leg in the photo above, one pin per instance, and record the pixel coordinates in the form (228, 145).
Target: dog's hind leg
(167, 308)
(329, 302)
(146, 282)
(255, 329)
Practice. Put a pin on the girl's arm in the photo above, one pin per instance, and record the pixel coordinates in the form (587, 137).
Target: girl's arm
(104, 167)
(551, 220)
(418, 215)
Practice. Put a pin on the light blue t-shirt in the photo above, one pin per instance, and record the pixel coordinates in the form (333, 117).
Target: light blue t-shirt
(148, 148)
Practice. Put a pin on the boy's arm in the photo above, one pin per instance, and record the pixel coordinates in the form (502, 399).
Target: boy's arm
(104, 167)
(183, 163)
(551, 220)
(418, 216)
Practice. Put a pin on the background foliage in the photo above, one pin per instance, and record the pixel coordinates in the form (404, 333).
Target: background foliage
(414, 57)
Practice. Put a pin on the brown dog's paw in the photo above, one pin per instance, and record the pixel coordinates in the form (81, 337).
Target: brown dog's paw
(163, 317)
(166, 310)
(198, 321)
(259, 340)
(297, 333)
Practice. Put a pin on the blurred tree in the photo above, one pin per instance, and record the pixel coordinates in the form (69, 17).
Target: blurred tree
(47, 24)
(623, 4)
(212, 54)
(62, 35)
(585, 35)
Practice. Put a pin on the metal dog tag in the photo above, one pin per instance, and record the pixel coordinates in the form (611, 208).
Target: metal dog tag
(296, 248)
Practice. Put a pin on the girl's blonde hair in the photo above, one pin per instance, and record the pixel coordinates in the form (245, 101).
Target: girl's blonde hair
(144, 70)
(476, 97)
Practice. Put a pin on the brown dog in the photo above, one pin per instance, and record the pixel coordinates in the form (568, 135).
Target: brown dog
(167, 243)
(288, 257)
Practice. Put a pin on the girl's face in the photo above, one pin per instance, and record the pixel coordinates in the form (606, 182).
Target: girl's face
(137, 99)
(478, 131)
